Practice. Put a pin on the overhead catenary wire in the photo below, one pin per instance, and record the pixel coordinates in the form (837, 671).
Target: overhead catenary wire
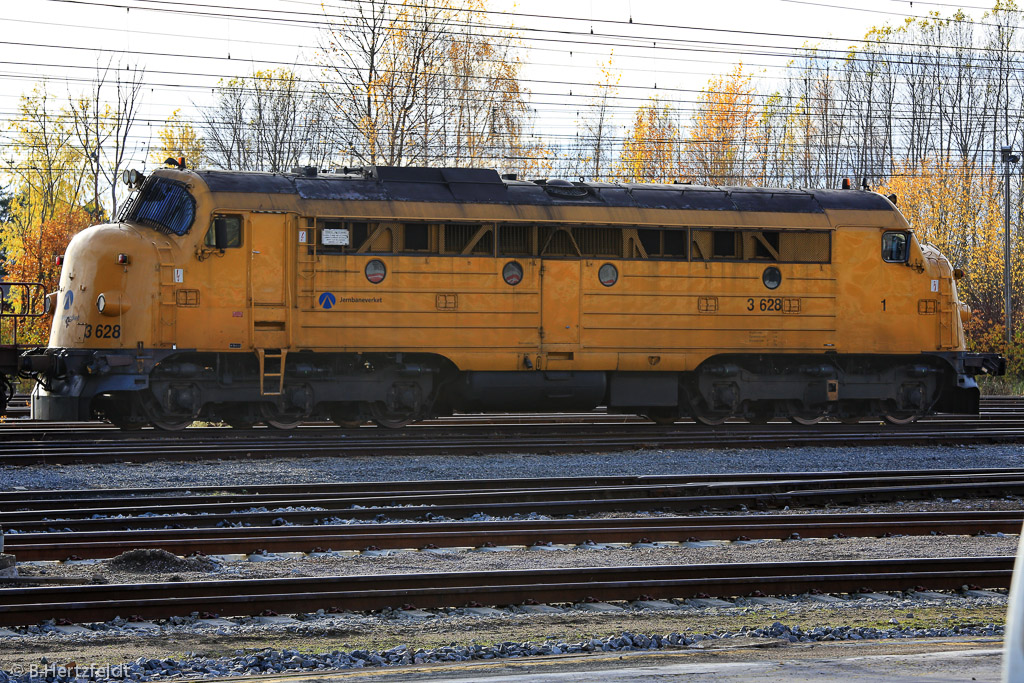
(622, 101)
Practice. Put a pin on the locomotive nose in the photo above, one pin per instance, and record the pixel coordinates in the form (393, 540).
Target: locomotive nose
(104, 266)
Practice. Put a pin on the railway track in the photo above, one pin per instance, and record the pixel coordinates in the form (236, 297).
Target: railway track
(102, 523)
(87, 447)
(205, 507)
(23, 606)
(17, 425)
(586, 533)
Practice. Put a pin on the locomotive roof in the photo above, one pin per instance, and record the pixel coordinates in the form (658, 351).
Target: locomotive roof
(485, 186)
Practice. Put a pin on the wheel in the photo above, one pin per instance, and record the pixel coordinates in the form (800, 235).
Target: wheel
(661, 416)
(390, 419)
(172, 424)
(900, 419)
(712, 420)
(801, 415)
(161, 419)
(274, 418)
(120, 413)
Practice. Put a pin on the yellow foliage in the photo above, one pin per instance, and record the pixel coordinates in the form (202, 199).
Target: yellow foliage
(418, 83)
(178, 138)
(49, 204)
(958, 207)
(724, 131)
(650, 150)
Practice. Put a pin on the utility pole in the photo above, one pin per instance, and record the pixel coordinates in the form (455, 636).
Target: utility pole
(1008, 158)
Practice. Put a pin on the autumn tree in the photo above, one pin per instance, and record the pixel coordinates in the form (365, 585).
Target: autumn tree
(958, 207)
(29, 257)
(62, 167)
(651, 150)
(178, 138)
(426, 84)
(722, 136)
(271, 120)
(49, 185)
(102, 120)
(591, 154)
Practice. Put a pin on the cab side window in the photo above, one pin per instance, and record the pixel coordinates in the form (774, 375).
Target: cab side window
(234, 224)
(895, 247)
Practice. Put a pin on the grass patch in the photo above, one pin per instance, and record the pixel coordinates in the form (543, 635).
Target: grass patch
(1006, 385)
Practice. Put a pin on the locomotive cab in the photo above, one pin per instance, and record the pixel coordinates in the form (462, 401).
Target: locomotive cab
(115, 284)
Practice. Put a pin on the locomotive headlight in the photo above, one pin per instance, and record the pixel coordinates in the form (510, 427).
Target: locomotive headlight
(112, 303)
(123, 259)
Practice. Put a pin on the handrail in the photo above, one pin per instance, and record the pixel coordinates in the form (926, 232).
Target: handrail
(7, 310)
(5, 295)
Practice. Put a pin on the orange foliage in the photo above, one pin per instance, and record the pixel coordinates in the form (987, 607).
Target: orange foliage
(958, 207)
(650, 150)
(724, 131)
(31, 258)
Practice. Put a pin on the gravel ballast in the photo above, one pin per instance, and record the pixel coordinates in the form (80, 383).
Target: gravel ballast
(412, 467)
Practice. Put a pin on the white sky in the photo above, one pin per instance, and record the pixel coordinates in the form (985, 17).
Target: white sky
(675, 46)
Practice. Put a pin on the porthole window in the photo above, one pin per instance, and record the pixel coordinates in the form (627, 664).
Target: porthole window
(771, 277)
(512, 273)
(608, 275)
(376, 271)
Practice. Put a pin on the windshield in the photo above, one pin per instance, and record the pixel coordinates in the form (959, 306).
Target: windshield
(163, 204)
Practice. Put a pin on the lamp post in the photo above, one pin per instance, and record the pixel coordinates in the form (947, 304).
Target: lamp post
(1008, 158)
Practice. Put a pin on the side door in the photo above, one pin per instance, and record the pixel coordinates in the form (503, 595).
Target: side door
(560, 303)
(268, 271)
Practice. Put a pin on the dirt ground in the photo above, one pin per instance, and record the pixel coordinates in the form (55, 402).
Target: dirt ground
(376, 634)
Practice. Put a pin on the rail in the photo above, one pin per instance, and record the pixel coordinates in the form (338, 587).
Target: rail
(620, 531)
(76, 446)
(93, 511)
(24, 606)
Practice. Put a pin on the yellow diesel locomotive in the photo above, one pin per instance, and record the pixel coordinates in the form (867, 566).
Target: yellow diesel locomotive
(392, 294)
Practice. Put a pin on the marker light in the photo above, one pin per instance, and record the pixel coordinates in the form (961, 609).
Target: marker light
(59, 259)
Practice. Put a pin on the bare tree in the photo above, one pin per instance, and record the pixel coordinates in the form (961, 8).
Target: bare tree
(426, 83)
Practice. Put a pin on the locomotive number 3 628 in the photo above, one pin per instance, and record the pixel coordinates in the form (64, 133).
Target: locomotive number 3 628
(104, 331)
(765, 304)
